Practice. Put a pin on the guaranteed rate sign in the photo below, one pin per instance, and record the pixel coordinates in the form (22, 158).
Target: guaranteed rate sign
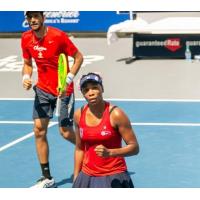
(165, 45)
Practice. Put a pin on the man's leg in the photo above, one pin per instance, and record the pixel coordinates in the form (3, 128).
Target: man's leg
(42, 112)
(68, 134)
(42, 147)
(66, 119)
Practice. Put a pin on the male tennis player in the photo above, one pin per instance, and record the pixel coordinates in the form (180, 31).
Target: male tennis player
(44, 44)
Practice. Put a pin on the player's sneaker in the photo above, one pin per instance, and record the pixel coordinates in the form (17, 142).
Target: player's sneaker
(45, 183)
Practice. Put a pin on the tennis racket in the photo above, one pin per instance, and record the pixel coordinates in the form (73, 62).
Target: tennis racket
(62, 75)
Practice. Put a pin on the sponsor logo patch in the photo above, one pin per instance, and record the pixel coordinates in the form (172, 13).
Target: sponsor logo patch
(173, 44)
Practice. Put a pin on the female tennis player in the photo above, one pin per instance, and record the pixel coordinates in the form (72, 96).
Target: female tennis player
(44, 44)
(100, 129)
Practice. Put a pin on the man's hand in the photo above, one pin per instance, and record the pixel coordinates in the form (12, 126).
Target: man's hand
(63, 93)
(27, 82)
(69, 80)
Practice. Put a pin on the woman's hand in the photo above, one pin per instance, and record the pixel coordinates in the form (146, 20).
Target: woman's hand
(102, 151)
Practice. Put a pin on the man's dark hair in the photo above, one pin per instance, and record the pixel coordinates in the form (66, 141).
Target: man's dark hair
(28, 13)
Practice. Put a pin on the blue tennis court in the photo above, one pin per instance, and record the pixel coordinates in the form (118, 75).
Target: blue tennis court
(167, 131)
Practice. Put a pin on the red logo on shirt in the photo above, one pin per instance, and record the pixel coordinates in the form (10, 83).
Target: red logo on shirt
(81, 132)
(105, 133)
(39, 48)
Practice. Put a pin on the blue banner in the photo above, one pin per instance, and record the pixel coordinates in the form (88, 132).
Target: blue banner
(83, 21)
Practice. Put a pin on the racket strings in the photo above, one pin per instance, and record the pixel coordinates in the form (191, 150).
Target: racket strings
(62, 72)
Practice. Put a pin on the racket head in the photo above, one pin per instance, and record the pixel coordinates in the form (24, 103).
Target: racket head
(62, 72)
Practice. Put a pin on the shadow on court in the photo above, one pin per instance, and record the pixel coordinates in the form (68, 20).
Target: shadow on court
(65, 181)
(131, 173)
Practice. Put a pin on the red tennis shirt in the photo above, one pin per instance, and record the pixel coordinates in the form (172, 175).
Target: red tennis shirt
(105, 134)
(45, 52)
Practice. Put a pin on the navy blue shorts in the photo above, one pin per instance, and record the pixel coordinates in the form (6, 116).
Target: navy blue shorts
(121, 180)
(45, 103)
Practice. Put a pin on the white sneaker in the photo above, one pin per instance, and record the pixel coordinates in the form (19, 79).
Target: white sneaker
(45, 183)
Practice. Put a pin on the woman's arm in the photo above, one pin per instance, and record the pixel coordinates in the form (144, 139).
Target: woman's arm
(79, 153)
(121, 122)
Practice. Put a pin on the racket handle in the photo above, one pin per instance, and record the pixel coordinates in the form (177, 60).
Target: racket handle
(58, 106)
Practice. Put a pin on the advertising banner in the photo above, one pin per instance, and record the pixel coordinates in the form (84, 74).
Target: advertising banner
(70, 21)
(165, 45)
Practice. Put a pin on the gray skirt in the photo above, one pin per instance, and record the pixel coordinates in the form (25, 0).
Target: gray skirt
(121, 180)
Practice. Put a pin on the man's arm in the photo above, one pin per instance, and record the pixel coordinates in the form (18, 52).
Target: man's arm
(27, 73)
(78, 60)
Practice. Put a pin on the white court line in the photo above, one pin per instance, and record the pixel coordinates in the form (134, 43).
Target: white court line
(19, 122)
(115, 99)
(16, 99)
(165, 124)
(16, 122)
(133, 124)
(156, 100)
(22, 138)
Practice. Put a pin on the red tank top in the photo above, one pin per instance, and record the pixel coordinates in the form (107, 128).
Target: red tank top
(106, 135)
